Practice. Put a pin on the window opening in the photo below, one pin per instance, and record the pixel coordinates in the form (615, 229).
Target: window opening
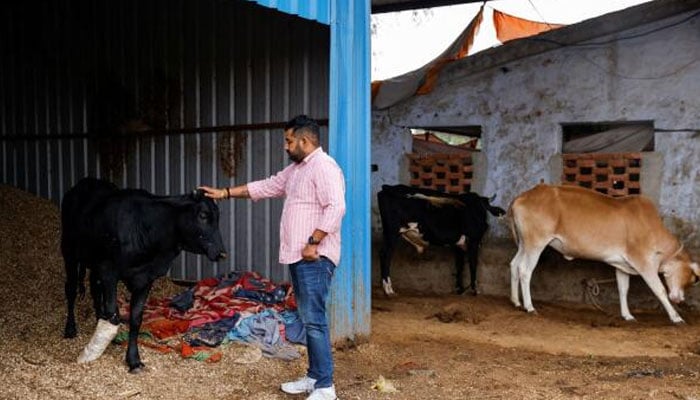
(606, 157)
(441, 157)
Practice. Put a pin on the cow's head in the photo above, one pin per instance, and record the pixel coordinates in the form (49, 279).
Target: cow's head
(199, 227)
(496, 211)
(679, 273)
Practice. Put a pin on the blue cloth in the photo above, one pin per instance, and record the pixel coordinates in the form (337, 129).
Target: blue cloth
(262, 327)
(262, 330)
(211, 334)
(312, 281)
(228, 279)
(274, 296)
(183, 301)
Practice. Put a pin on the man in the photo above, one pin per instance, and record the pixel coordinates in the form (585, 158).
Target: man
(314, 205)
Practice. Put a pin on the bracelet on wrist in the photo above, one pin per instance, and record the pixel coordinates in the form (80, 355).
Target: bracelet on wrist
(228, 193)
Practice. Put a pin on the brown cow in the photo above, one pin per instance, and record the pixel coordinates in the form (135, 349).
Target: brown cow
(626, 233)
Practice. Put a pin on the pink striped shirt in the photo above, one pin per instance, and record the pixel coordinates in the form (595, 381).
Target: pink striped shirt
(315, 199)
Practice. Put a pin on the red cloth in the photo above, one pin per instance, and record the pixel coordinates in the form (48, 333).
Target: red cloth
(211, 303)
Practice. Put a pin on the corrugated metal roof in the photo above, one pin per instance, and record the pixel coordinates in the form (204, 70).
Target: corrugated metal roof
(315, 10)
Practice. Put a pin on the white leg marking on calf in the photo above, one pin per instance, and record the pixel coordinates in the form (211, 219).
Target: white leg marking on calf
(462, 242)
(623, 285)
(104, 333)
(386, 285)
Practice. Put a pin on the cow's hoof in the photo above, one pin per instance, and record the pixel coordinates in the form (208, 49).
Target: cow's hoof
(70, 333)
(532, 312)
(471, 291)
(679, 322)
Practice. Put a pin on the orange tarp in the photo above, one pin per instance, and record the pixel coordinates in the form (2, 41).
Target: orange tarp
(375, 88)
(432, 74)
(509, 27)
(421, 81)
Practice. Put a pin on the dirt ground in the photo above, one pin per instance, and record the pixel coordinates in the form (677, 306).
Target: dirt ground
(437, 347)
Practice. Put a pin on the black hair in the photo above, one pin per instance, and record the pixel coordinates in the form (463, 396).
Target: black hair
(302, 124)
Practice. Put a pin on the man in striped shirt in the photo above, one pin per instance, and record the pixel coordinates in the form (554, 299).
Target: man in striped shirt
(314, 205)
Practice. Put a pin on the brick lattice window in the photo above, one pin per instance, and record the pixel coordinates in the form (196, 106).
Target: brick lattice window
(614, 174)
(450, 173)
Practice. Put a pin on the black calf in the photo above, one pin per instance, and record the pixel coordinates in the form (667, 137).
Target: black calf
(132, 236)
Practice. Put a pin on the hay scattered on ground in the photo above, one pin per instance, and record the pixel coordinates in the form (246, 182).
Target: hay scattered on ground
(427, 347)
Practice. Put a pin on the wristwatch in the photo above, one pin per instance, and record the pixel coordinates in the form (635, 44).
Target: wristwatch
(313, 241)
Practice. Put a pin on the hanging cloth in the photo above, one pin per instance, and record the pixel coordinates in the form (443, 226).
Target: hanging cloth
(391, 91)
(509, 27)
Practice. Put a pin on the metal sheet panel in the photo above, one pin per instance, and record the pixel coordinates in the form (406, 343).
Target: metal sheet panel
(350, 133)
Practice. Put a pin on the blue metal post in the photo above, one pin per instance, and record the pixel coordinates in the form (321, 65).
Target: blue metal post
(349, 136)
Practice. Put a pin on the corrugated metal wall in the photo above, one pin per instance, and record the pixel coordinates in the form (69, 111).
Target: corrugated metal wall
(73, 72)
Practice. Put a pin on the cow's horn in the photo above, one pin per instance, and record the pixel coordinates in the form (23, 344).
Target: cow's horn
(492, 198)
(696, 268)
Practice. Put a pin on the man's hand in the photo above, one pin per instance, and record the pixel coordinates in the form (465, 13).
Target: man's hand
(214, 193)
(238, 192)
(310, 252)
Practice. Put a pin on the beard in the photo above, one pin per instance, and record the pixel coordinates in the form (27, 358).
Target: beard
(295, 156)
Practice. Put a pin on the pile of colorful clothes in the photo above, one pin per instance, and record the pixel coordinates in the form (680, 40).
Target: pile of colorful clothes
(238, 306)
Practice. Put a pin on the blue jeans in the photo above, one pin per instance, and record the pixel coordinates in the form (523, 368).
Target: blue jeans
(312, 281)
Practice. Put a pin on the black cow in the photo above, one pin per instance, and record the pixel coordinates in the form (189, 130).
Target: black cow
(132, 236)
(425, 216)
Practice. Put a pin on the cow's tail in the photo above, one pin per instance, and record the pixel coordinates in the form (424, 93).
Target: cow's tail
(75, 270)
(493, 210)
(496, 211)
(513, 226)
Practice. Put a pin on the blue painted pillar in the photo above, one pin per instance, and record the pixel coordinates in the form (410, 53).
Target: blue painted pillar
(349, 137)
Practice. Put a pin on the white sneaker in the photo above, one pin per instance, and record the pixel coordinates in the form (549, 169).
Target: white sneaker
(303, 385)
(323, 394)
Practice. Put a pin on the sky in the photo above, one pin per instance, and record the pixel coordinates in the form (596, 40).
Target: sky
(406, 40)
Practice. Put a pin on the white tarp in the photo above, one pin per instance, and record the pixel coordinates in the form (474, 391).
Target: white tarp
(626, 139)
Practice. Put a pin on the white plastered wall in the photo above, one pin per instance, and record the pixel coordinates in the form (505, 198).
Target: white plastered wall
(521, 104)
